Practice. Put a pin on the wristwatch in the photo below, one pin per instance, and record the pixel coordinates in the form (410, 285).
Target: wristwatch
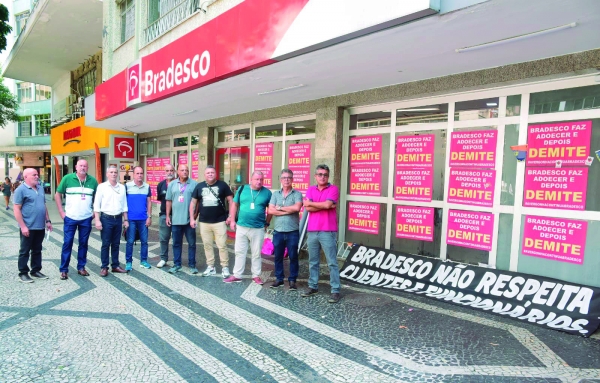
(48, 221)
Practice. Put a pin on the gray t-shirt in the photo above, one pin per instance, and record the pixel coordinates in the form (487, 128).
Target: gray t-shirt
(288, 222)
(33, 205)
(180, 207)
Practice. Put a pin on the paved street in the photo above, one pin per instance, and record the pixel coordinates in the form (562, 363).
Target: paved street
(151, 326)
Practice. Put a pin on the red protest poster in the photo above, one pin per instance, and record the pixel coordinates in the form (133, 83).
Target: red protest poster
(470, 229)
(476, 148)
(557, 239)
(472, 186)
(299, 163)
(263, 162)
(567, 142)
(414, 185)
(414, 222)
(363, 217)
(564, 188)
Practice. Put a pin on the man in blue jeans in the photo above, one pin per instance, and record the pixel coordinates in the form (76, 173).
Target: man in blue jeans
(285, 208)
(139, 212)
(80, 189)
(179, 197)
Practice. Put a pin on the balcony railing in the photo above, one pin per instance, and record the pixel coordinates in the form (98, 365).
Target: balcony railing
(180, 11)
(33, 140)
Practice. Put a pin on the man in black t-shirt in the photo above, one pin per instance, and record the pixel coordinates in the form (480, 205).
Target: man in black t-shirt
(212, 194)
(164, 231)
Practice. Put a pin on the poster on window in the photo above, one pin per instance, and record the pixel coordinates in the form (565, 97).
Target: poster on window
(365, 181)
(194, 170)
(155, 173)
(299, 163)
(363, 217)
(474, 187)
(414, 184)
(567, 142)
(561, 240)
(415, 151)
(413, 222)
(365, 165)
(263, 162)
(552, 188)
(475, 148)
(470, 229)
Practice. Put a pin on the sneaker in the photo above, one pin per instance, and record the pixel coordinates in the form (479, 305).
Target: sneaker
(128, 266)
(277, 284)
(25, 278)
(293, 285)
(334, 298)
(7, 209)
(193, 270)
(231, 279)
(309, 292)
(209, 271)
(225, 272)
(174, 269)
(145, 265)
(38, 275)
(258, 281)
(161, 264)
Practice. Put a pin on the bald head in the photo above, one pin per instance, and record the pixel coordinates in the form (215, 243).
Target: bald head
(30, 176)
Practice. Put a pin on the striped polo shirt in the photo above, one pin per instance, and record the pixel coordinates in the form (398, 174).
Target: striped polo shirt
(137, 201)
(79, 195)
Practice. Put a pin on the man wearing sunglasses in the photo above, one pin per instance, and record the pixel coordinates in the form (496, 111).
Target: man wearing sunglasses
(321, 201)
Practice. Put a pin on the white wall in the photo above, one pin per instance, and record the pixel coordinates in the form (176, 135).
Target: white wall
(62, 87)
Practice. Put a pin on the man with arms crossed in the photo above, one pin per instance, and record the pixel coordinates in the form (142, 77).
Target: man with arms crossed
(321, 200)
(285, 206)
(32, 216)
(110, 209)
(164, 231)
(79, 188)
(179, 197)
(252, 201)
(139, 212)
(213, 216)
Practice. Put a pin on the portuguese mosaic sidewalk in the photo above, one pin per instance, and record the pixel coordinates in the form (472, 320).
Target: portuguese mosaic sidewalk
(151, 326)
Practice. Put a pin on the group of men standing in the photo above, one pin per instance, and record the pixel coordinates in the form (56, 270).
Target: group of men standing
(184, 202)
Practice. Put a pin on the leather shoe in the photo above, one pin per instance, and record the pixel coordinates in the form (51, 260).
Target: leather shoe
(104, 272)
(64, 276)
(83, 272)
(119, 269)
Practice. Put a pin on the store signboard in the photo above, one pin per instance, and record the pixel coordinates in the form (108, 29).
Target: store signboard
(470, 186)
(551, 188)
(557, 239)
(263, 162)
(363, 217)
(413, 222)
(559, 144)
(470, 229)
(475, 148)
(299, 163)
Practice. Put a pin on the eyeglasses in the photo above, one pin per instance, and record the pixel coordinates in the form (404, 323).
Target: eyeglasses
(322, 175)
(287, 178)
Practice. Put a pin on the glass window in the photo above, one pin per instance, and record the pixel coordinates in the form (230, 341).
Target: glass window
(25, 126)
(153, 11)
(268, 131)
(370, 120)
(411, 246)
(127, 20)
(164, 143)
(504, 241)
(300, 127)
(42, 124)
(195, 139)
(42, 92)
(24, 92)
(21, 20)
(86, 85)
(180, 141)
(509, 166)
(368, 173)
(467, 255)
(422, 115)
(476, 109)
(565, 100)
(234, 135)
(513, 106)
(363, 238)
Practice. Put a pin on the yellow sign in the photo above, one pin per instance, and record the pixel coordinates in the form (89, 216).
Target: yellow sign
(75, 137)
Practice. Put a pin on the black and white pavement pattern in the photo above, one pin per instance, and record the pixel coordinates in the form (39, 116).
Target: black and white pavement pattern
(151, 326)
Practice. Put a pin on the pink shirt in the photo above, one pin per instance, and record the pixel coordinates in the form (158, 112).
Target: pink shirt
(323, 220)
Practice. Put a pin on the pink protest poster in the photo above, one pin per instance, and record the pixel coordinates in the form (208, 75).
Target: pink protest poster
(551, 188)
(363, 217)
(182, 159)
(365, 151)
(194, 169)
(413, 184)
(470, 229)
(476, 148)
(472, 186)
(263, 161)
(567, 142)
(414, 223)
(415, 151)
(299, 163)
(365, 181)
(155, 173)
(557, 239)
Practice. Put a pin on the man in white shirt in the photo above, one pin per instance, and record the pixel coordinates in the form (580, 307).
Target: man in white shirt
(110, 210)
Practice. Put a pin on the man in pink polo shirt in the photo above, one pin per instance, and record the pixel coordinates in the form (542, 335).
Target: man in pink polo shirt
(321, 201)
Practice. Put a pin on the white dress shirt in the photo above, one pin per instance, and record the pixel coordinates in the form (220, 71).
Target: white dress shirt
(110, 200)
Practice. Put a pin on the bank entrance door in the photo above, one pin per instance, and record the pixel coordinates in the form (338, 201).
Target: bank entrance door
(233, 166)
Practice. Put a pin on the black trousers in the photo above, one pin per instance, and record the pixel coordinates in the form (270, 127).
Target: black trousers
(31, 245)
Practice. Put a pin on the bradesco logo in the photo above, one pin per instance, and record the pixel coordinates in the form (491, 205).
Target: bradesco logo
(133, 82)
(177, 74)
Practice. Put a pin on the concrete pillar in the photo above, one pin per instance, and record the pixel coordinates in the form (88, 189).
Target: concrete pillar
(205, 150)
(328, 141)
